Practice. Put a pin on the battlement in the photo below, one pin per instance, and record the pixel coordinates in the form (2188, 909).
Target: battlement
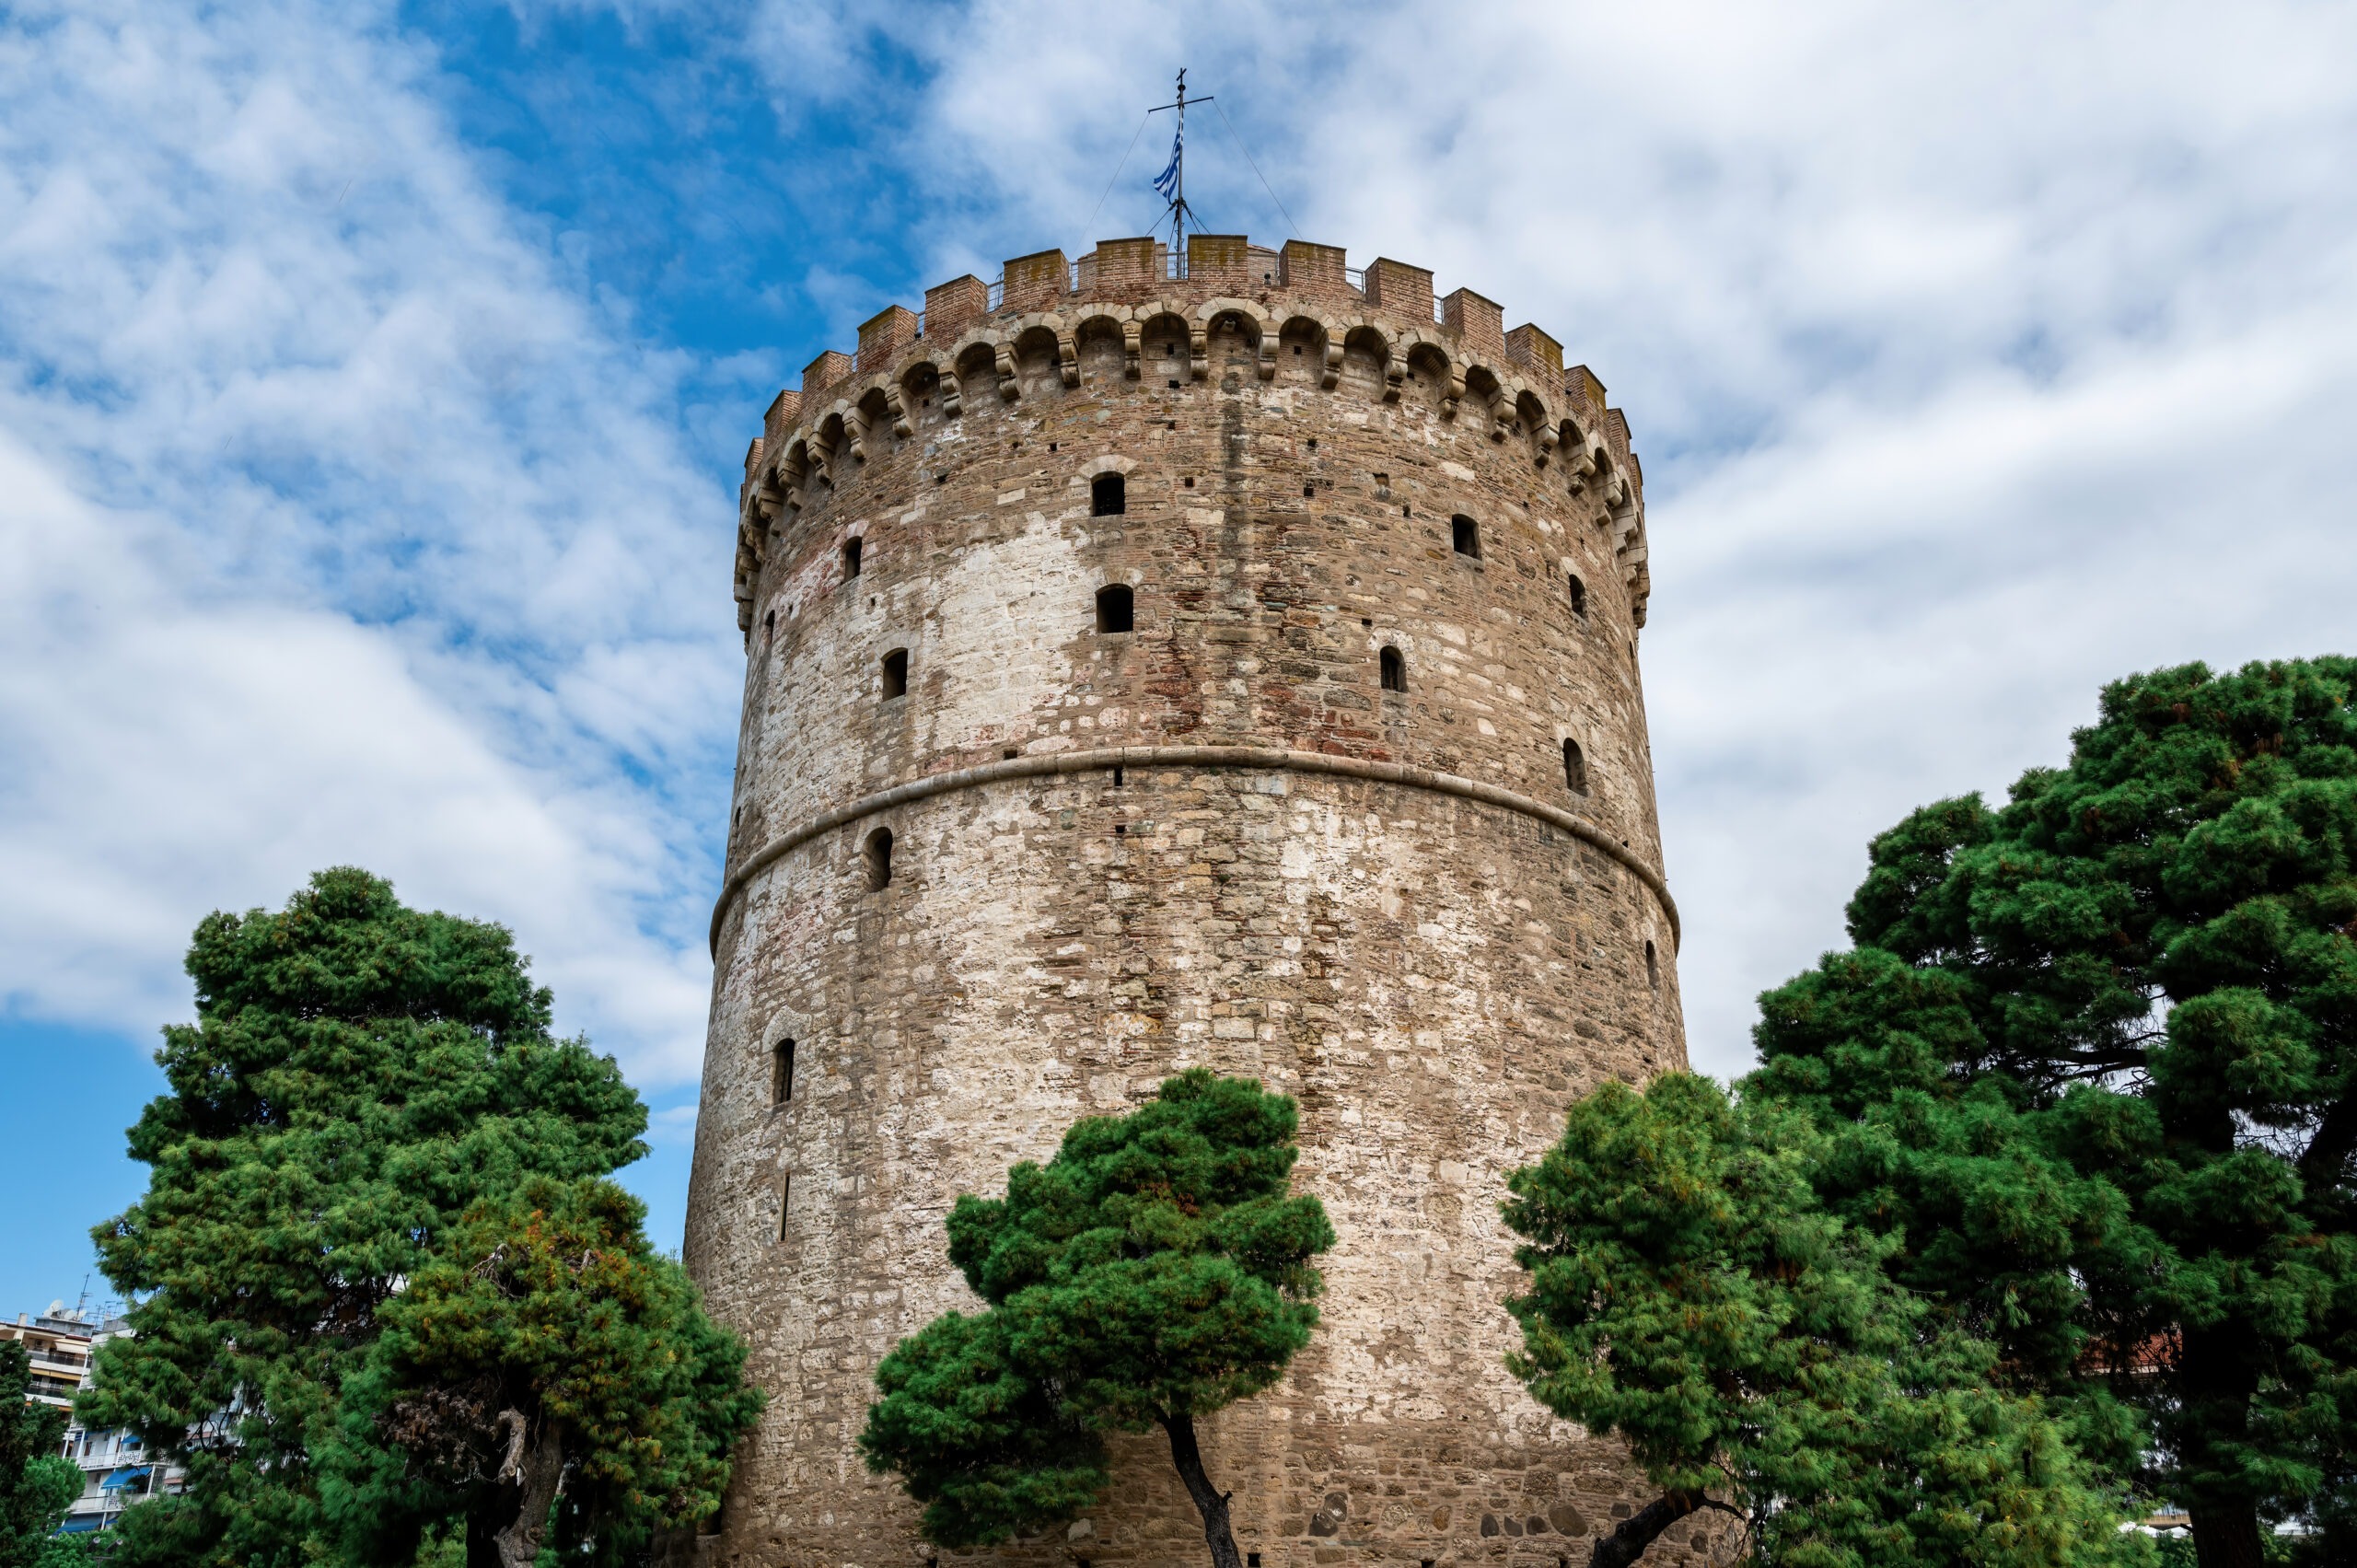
(1143, 269)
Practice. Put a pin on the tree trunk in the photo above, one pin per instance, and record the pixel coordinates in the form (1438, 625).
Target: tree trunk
(482, 1543)
(1628, 1543)
(2215, 1382)
(2226, 1535)
(536, 1465)
(1210, 1502)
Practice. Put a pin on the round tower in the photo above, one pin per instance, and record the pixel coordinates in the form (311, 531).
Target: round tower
(1153, 663)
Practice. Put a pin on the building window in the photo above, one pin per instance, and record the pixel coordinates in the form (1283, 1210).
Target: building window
(1466, 536)
(1652, 966)
(853, 549)
(896, 674)
(784, 1201)
(769, 628)
(1108, 495)
(782, 1072)
(877, 854)
(1579, 595)
(1116, 608)
(1394, 666)
(1574, 767)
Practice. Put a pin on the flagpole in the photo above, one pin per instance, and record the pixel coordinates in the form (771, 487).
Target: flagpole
(1178, 203)
(1175, 193)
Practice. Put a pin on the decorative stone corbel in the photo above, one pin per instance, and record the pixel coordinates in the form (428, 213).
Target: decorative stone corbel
(856, 426)
(894, 405)
(953, 393)
(1455, 396)
(1546, 439)
(1132, 349)
(1395, 375)
(1068, 356)
(1199, 350)
(1332, 375)
(1009, 386)
(1268, 364)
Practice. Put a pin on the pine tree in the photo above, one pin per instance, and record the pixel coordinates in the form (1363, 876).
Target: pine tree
(545, 1348)
(360, 1073)
(1689, 1293)
(2090, 1062)
(36, 1485)
(1155, 1272)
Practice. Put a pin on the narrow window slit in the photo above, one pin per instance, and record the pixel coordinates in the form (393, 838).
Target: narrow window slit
(782, 1072)
(1116, 608)
(1574, 767)
(1466, 536)
(852, 550)
(896, 674)
(1108, 495)
(1393, 665)
(877, 854)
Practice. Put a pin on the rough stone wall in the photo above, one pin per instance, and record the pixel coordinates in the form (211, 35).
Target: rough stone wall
(1435, 978)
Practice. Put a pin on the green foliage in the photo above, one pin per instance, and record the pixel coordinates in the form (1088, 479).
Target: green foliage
(2089, 1064)
(1688, 1292)
(548, 1303)
(1158, 1269)
(36, 1486)
(360, 1074)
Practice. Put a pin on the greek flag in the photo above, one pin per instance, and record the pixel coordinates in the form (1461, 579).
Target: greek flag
(1166, 182)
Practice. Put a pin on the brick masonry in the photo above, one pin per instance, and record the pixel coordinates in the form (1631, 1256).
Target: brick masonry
(1434, 977)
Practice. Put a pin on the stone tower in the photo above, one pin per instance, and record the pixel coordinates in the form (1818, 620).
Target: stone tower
(1227, 664)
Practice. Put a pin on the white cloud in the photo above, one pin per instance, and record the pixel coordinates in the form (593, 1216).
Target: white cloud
(338, 531)
(1981, 354)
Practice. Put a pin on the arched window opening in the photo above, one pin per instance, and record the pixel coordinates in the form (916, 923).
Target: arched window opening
(1108, 495)
(1653, 967)
(1466, 536)
(1579, 596)
(877, 856)
(1574, 767)
(769, 628)
(854, 548)
(896, 674)
(1394, 666)
(784, 1201)
(782, 1072)
(1116, 608)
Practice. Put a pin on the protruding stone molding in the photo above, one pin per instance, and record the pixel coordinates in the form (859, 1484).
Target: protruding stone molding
(1264, 759)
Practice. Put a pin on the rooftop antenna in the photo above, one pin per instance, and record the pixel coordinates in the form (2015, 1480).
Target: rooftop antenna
(1172, 181)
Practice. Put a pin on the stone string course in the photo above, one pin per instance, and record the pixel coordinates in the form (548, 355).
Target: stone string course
(1090, 889)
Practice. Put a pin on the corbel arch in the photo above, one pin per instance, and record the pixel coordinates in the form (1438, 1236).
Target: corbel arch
(1389, 363)
(1318, 340)
(1250, 319)
(1531, 409)
(1431, 357)
(1104, 325)
(1161, 327)
(981, 360)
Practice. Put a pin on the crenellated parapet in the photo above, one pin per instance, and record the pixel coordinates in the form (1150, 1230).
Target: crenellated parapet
(969, 346)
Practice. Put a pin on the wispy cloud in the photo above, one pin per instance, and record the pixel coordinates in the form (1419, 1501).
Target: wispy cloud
(340, 531)
(1978, 355)
(368, 511)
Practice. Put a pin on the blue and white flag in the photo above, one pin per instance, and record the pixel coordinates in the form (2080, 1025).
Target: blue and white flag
(1166, 181)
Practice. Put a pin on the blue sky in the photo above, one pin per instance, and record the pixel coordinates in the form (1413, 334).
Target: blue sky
(372, 381)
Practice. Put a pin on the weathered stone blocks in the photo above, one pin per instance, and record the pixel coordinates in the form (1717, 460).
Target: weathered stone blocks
(1435, 975)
